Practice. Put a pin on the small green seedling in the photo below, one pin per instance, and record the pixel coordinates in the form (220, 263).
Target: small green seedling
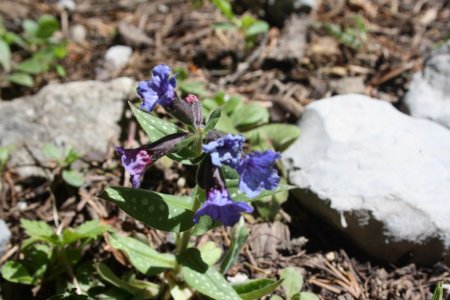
(438, 292)
(250, 26)
(64, 160)
(48, 255)
(292, 285)
(39, 51)
(352, 37)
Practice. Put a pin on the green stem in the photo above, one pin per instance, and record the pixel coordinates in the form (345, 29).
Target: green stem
(182, 241)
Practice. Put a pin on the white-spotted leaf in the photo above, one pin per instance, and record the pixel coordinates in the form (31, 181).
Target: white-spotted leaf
(157, 210)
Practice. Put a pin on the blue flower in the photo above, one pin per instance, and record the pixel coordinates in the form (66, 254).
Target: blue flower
(220, 207)
(135, 162)
(160, 89)
(257, 172)
(225, 150)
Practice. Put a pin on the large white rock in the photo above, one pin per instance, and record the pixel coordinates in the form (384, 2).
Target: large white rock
(5, 236)
(380, 176)
(82, 115)
(429, 93)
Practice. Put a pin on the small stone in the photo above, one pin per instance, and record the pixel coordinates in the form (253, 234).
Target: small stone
(5, 236)
(78, 33)
(118, 56)
(377, 175)
(330, 256)
(429, 93)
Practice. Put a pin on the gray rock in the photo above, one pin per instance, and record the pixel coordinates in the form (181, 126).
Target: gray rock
(429, 93)
(5, 236)
(377, 174)
(118, 56)
(83, 115)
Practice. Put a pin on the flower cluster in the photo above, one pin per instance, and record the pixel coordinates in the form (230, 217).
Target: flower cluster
(256, 170)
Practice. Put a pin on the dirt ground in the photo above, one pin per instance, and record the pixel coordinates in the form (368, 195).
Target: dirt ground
(380, 60)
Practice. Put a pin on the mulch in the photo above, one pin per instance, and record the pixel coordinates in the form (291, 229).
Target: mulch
(398, 36)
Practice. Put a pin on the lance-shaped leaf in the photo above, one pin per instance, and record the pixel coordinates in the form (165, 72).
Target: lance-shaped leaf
(213, 119)
(205, 279)
(256, 288)
(157, 210)
(154, 127)
(238, 237)
(141, 256)
(237, 195)
(108, 275)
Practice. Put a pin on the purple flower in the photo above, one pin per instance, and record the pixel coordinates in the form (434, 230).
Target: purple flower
(225, 150)
(160, 89)
(257, 172)
(220, 207)
(135, 162)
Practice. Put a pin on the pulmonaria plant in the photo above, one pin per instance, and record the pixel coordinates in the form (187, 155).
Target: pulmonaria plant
(228, 179)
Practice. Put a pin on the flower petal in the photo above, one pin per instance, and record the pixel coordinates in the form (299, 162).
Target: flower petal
(257, 172)
(226, 150)
(135, 162)
(220, 207)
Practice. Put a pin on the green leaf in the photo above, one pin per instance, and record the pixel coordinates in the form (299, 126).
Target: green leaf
(238, 237)
(160, 211)
(225, 8)
(73, 177)
(237, 195)
(210, 253)
(225, 124)
(438, 292)
(203, 278)
(71, 156)
(4, 156)
(205, 224)
(270, 136)
(276, 297)
(154, 127)
(106, 274)
(36, 260)
(88, 230)
(21, 79)
(60, 70)
(256, 28)
(5, 55)
(292, 281)
(14, 271)
(47, 25)
(30, 66)
(256, 288)
(250, 115)
(224, 26)
(30, 27)
(193, 87)
(310, 296)
(141, 256)
(38, 230)
(53, 152)
(213, 119)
